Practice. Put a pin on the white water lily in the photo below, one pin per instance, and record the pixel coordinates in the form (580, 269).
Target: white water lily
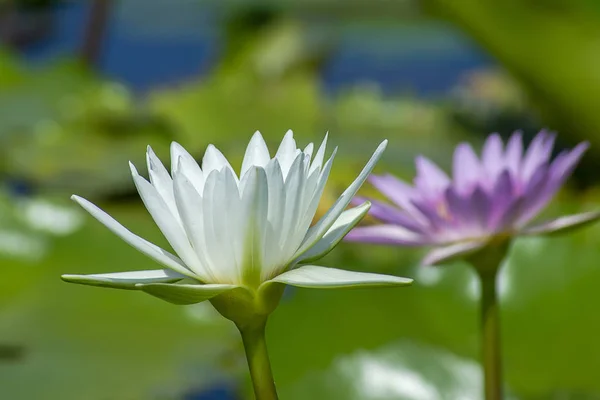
(237, 237)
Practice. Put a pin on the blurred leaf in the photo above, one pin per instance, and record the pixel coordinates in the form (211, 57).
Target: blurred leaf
(550, 47)
(64, 129)
(404, 370)
(96, 343)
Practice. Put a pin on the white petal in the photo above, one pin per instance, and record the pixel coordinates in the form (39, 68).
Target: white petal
(168, 225)
(317, 231)
(276, 212)
(255, 208)
(336, 233)
(286, 153)
(161, 180)
(276, 193)
(308, 150)
(189, 204)
(181, 159)
(315, 196)
(217, 208)
(257, 153)
(185, 293)
(214, 160)
(290, 238)
(320, 156)
(314, 276)
(232, 217)
(142, 245)
(125, 280)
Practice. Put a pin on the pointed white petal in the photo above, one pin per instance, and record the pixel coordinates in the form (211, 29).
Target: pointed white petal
(231, 216)
(214, 160)
(308, 150)
(184, 293)
(219, 204)
(182, 160)
(336, 233)
(189, 204)
(257, 153)
(286, 153)
(212, 252)
(290, 236)
(142, 245)
(563, 224)
(168, 225)
(161, 180)
(320, 156)
(277, 194)
(255, 208)
(314, 276)
(276, 212)
(125, 280)
(317, 231)
(315, 198)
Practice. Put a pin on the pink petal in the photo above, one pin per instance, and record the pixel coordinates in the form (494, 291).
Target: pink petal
(491, 156)
(514, 152)
(466, 168)
(538, 153)
(430, 179)
(452, 252)
(563, 224)
(386, 234)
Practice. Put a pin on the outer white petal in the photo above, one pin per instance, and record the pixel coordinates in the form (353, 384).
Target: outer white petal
(314, 276)
(276, 212)
(277, 194)
(308, 150)
(161, 180)
(169, 226)
(214, 160)
(290, 237)
(287, 152)
(232, 219)
(189, 204)
(317, 231)
(184, 293)
(182, 160)
(125, 280)
(320, 156)
(257, 153)
(142, 245)
(336, 233)
(255, 208)
(315, 196)
(218, 206)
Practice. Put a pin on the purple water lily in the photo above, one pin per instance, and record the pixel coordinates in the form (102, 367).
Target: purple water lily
(487, 198)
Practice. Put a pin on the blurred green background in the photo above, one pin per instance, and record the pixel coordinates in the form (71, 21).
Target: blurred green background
(85, 86)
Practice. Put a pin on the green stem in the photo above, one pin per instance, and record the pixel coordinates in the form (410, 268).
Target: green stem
(255, 345)
(490, 334)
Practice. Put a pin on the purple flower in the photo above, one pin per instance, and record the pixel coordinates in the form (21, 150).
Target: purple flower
(487, 199)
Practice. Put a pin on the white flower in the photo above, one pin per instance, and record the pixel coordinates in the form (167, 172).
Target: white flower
(239, 235)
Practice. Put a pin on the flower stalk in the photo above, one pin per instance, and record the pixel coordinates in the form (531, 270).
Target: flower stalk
(487, 264)
(490, 335)
(253, 336)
